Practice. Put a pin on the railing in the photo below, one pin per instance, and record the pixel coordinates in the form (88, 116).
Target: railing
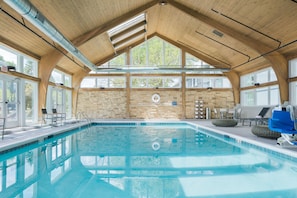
(82, 116)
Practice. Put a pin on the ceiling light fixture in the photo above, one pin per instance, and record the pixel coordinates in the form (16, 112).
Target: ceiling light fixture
(216, 32)
(162, 3)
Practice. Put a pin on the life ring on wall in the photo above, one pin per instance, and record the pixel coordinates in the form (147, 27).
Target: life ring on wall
(156, 146)
(156, 98)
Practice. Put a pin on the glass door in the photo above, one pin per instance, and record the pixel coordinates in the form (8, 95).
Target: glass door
(55, 99)
(1, 99)
(58, 99)
(9, 105)
(11, 102)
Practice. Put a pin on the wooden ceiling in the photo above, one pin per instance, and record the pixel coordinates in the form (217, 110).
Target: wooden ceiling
(251, 30)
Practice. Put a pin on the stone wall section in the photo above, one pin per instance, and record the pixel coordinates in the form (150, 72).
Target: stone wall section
(211, 99)
(105, 104)
(102, 104)
(142, 105)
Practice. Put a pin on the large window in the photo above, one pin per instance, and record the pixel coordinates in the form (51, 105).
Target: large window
(262, 76)
(206, 82)
(268, 95)
(31, 101)
(61, 78)
(58, 96)
(293, 68)
(104, 82)
(293, 93)
(261, 96)
(117, 62)
(194, 62)
(22, 63)
(59, 99)
(156, 82)
(68, 103)
(293, 84)
(150, 57)
(156, 53)
(29, 67)
(25, 100)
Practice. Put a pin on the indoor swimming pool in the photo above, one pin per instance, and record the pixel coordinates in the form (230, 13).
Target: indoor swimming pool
(142, 159)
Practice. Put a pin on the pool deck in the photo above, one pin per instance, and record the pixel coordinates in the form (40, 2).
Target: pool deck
(18, 136)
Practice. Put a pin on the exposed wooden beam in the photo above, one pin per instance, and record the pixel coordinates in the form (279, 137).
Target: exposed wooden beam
(21, 75)
(76, 80)
(110, 24)
(46, 65)
(235, 82)
(64, 70)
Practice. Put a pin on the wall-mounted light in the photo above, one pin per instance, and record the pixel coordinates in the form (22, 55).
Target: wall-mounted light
(257, 84)
(59, 84)
(11, 68)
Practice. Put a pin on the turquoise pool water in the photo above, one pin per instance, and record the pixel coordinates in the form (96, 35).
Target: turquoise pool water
(145, 160)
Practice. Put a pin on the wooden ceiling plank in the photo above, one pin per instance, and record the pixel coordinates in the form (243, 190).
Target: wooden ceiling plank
(277, 60)
(256, 45)
(248, 41)
(19, 48)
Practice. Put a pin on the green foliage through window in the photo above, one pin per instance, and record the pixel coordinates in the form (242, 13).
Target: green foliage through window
(155, 52)
(156, 82)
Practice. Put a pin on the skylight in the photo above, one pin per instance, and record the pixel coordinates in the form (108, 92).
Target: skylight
(125, 32)
(119, 28)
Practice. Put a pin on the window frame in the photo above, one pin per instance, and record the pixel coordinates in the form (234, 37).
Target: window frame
(20, 60)
(148, 80)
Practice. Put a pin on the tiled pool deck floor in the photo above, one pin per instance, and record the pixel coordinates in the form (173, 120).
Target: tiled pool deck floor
(14, 137)
(18, 136)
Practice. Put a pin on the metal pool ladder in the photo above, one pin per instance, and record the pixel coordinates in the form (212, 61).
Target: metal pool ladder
(83, 116)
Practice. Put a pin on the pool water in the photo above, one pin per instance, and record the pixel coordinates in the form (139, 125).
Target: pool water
(145, 160)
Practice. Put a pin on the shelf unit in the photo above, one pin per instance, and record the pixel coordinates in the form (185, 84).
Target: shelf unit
(199, 109)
